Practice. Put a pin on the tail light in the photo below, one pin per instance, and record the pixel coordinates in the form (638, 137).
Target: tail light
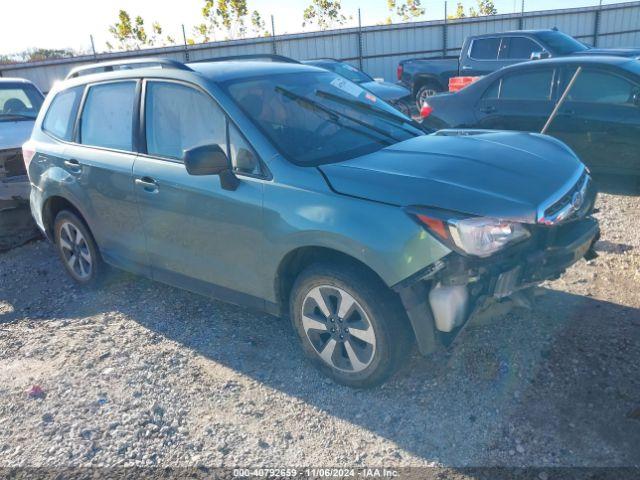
(400, 71)
(426, 110)
(28, 152)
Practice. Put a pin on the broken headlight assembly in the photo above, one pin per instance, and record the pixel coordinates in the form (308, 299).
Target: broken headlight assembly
(477, 236)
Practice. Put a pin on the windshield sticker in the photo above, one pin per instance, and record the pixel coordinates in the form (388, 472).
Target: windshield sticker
(347, 87)
(371, 97)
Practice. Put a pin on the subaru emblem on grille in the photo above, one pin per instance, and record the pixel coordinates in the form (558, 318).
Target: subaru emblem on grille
(576, 200)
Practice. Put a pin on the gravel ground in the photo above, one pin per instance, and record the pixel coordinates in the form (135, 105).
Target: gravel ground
(138, 373)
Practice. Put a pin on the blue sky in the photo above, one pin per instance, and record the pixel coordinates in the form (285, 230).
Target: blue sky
(68, 23)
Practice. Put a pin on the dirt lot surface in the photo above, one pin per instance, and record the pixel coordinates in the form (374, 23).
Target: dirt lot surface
(138, 373)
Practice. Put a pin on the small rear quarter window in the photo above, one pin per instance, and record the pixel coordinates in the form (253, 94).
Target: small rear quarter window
(61, 115)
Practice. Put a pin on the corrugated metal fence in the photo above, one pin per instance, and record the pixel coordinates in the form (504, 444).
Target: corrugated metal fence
(377, 49)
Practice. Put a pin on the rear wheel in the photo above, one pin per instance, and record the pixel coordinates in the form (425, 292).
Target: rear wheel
(77, 248)
(425, 91)
(351, 326)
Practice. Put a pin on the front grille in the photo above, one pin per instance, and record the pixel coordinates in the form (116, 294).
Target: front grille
(566, 198)
(564, 208)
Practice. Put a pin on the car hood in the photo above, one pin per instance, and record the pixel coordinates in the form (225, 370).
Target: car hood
(14, 134)
(385, 90)
(496, 174)
(618, 52)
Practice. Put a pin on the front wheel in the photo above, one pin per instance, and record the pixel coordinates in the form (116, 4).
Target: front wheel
(351, 326)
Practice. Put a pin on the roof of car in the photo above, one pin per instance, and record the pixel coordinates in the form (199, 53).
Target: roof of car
(513, 32)
(231, 70)
(579, 59)
(13, 80)
(321, 60)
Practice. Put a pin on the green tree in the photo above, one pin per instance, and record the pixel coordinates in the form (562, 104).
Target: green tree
(258, 24)
(324, 13)
(484, 7)
(459, 12)
(37, 54)
(405, 10)
(132, 35)
(228, 19)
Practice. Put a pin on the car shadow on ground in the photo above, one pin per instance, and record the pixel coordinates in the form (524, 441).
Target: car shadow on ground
(628, 185)
(551, 386)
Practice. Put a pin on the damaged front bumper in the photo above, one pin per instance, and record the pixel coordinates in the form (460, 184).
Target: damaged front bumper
(442, 300)
(16, 223)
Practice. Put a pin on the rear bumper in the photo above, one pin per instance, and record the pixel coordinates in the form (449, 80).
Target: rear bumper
(549, 252)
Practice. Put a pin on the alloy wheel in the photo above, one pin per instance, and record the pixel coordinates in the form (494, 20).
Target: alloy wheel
(338, 328)
(75, 250)
(424, 94)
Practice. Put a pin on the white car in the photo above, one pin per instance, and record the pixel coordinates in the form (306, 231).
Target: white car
(20, 102)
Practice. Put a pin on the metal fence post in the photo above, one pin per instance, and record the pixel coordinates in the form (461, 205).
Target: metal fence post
(93, 46)
(359, 40)
(444, 32)
(596, 25)
(521, 19)
(274, 46)
(186, 47)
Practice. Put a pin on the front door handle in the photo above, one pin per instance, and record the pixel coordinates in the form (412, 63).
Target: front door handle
(73, 165)
(148, 184)
(488, 109)
(466, 67)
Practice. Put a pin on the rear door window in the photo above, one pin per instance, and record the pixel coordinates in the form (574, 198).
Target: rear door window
(179, 117)
(107, 116)
(518, 48)
(532, 85)
(602, 87)
(485, 49)
(61, 115)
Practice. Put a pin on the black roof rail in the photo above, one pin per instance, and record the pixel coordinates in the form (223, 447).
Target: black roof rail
(269, 57)
(127, 64)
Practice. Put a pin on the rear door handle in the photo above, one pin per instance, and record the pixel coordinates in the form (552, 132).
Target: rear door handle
(148, 184)
(466, 67)
(568, 113)
(73, 165)
(488, 109)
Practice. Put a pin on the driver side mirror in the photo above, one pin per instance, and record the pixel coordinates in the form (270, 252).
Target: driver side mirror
(540, 55)
(210, 160)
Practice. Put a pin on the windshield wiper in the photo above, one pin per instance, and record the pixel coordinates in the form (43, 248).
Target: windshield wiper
(400, 122)
(334, 115)
(18, 116)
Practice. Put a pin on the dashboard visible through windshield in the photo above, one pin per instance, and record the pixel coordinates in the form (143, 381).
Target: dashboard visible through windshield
(319, 117)
(19, 101)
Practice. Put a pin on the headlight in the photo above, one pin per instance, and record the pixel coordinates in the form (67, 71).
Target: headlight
(477, 236)
(485, 236)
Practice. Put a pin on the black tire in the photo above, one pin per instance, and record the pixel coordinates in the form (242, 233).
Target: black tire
(381, 309)
(426, 90)
(64, 223)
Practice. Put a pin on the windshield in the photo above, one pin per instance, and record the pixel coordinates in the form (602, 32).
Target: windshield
(347, 71)
(19, 101)
(319, 117)
(561, 44)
